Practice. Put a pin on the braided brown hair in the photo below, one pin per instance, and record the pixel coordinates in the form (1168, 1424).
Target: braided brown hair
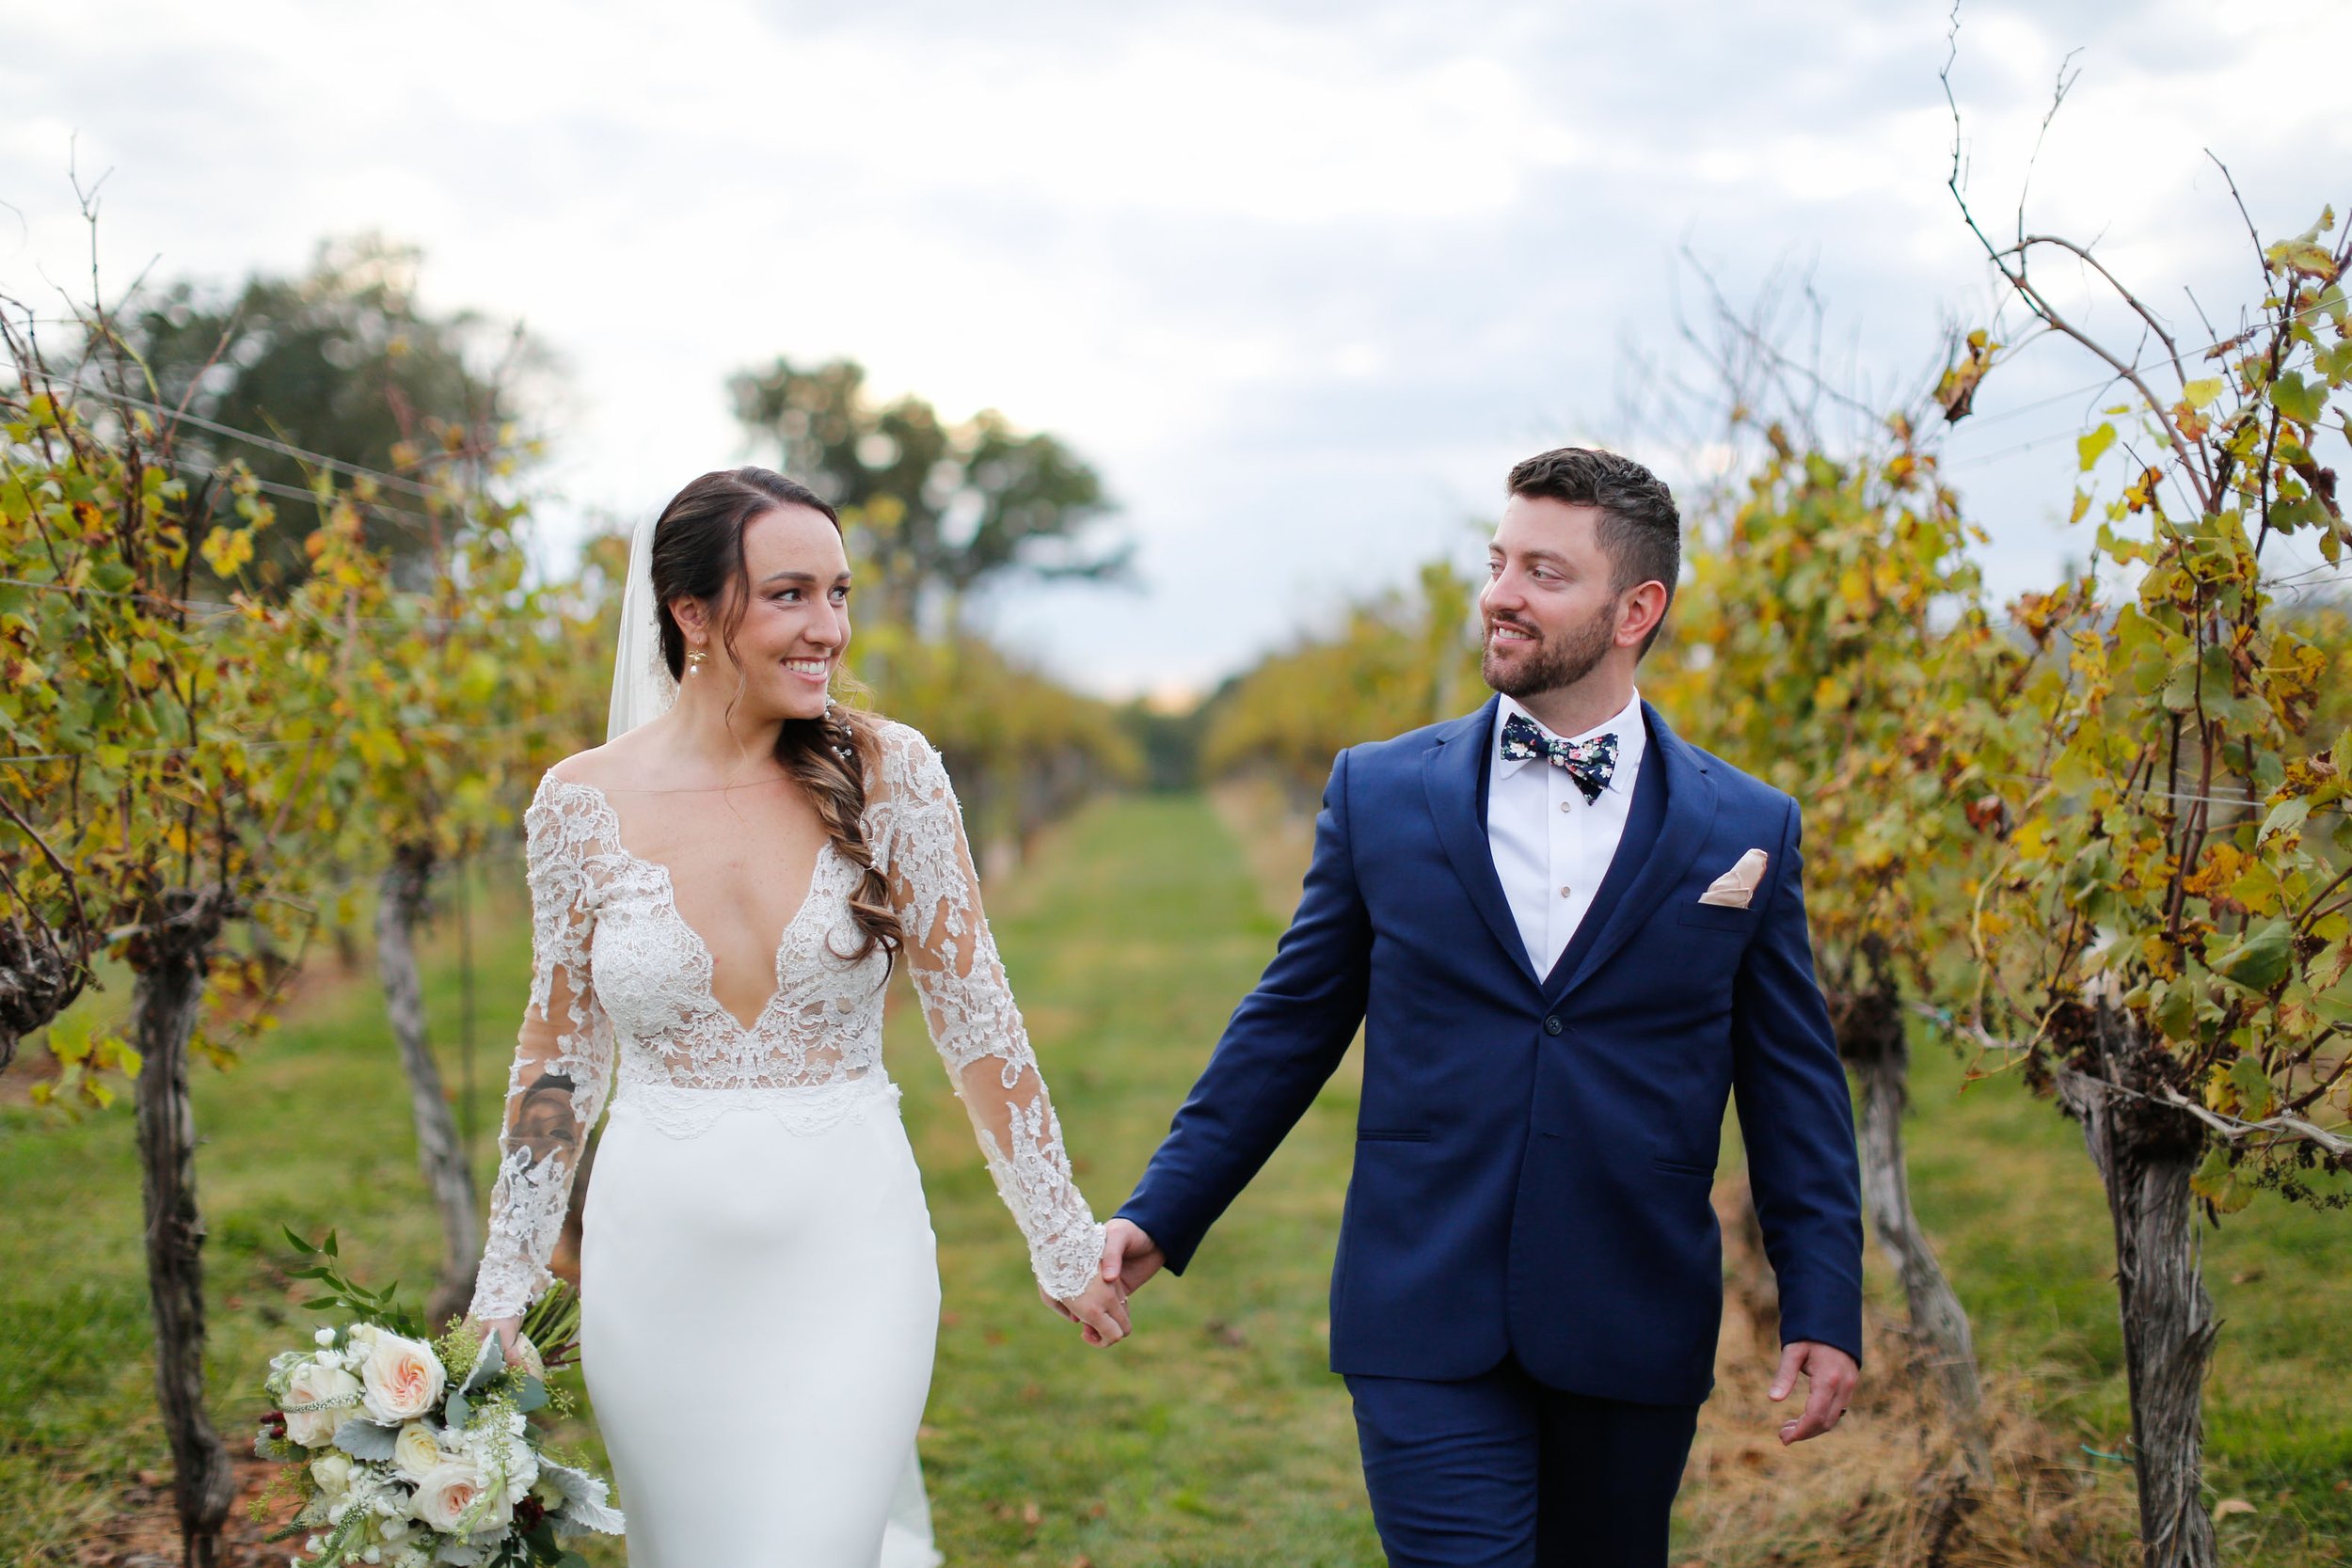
(698, 554)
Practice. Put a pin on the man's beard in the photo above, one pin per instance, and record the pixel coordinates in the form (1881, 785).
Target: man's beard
(1551, 664)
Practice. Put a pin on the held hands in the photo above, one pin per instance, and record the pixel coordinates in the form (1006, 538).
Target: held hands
(1100, 1311)
(1129, 1258)
(1833, 1375)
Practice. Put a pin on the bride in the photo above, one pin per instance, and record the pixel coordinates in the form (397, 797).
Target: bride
(719, 895)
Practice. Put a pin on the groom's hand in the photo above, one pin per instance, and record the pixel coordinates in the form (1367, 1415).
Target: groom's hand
(1129, 1255)
(1832, 1374)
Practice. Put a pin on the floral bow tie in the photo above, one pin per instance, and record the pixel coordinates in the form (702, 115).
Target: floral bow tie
(1588, 762)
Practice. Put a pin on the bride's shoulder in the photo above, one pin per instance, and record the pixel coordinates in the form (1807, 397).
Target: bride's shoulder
(576, 790)
(619, 764)
(903, 758)
(591, 767)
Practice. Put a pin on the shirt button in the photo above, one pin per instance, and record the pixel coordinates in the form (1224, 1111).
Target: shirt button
(1564, 805)
(1553, 1025)
(1563, 892)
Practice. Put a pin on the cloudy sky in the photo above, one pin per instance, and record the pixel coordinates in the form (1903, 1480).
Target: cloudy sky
(1302, 279)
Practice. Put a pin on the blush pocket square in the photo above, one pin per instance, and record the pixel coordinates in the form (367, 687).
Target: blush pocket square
(1737, 887)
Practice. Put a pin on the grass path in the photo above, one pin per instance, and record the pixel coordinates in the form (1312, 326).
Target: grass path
(1215, 1436)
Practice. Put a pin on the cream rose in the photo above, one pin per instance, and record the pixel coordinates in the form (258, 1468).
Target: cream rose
(315, 1428)
(416, 1453)
(402, 1378)
(453, 1489)
(332, 1471)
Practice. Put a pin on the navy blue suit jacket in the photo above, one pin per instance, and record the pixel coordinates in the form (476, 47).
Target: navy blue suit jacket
(1534, 1153)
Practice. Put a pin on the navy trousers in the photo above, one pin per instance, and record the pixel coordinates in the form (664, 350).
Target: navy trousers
(1498, 1472)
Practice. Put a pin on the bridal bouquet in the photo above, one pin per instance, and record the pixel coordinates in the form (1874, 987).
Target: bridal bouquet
(402, 1461)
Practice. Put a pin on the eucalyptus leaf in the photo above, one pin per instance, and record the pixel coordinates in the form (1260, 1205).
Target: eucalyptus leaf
(458, 1412)
(584, 1511)
(530, 1396)
(364, 1439)
(487, 1363)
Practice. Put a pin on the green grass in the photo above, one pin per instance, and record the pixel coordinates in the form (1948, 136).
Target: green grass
(1215, 1436)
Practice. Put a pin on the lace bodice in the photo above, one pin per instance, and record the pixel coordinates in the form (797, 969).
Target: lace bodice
(621, 995)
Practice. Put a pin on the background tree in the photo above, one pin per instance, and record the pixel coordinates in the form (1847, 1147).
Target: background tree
(343, 362)
(1022, 749)
(444, 705)
(1830, 641)
(935, 509)
(1399, 661)
(2168, 940)
(140, 801)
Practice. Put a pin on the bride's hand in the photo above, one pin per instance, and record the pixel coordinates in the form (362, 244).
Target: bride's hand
(1100, 1311)
(509, 1330)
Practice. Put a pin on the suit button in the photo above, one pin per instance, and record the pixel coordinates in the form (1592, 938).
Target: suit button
(1552, 1025)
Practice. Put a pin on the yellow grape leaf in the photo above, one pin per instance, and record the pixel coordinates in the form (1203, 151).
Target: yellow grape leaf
(2302, 256)
(2197, 394)
(2218, 1185)
(226, 549)
(2090, 447)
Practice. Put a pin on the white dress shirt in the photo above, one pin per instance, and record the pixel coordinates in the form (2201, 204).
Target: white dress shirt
(1551, 847)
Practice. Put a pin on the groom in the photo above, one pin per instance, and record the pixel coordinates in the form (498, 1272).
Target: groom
(1570, 937)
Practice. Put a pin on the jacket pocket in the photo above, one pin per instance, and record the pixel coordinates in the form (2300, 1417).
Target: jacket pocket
(1675, 1167)
(1716, 917)
(1391, 1135)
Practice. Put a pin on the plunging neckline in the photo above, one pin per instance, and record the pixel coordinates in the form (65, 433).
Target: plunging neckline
(710, 960)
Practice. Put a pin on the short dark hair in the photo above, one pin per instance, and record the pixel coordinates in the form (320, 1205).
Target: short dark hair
(1640, 527)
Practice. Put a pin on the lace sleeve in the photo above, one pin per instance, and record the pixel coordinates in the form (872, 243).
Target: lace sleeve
(974, 1022)
(563, 1062)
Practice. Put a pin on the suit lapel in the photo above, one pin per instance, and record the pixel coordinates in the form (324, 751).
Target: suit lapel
(1635, 846)
(1690, 811)
(1451, 772)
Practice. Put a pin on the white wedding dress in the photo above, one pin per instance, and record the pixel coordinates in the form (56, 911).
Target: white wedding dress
(758, 1283)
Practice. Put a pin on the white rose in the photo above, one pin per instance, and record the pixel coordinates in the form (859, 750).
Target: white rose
(332, 1471)
(315, 1428)
(416, 1450)
(403, 1377)
(451, 1489)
